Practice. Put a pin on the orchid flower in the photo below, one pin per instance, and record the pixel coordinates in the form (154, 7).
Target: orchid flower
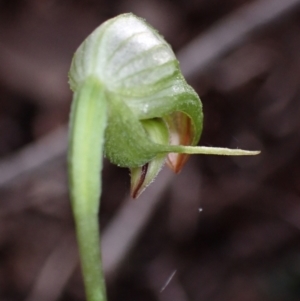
(131, 104)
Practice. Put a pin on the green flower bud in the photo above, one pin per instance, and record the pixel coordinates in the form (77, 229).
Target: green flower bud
(141, 79)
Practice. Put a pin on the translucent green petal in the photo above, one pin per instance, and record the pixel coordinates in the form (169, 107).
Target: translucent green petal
(142, 176)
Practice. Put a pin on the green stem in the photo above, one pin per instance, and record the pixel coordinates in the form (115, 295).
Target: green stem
(87, 230)
(87, 127)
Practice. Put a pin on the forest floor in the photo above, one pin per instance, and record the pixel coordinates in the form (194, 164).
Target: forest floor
(224, 229)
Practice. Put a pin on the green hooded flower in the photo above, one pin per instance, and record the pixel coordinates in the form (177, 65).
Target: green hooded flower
(145, 93)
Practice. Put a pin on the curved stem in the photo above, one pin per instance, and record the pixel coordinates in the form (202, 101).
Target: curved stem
(86, 139)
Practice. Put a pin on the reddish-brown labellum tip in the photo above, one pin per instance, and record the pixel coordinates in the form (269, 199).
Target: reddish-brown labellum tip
(181, 133)
(135, 191)
(176, 161)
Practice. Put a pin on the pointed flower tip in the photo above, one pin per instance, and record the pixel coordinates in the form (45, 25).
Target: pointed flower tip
(181, 133)
(176, 161)
(138, 176)
(143, 176)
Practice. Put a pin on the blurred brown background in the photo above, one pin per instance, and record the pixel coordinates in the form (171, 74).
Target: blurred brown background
(225, 229)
